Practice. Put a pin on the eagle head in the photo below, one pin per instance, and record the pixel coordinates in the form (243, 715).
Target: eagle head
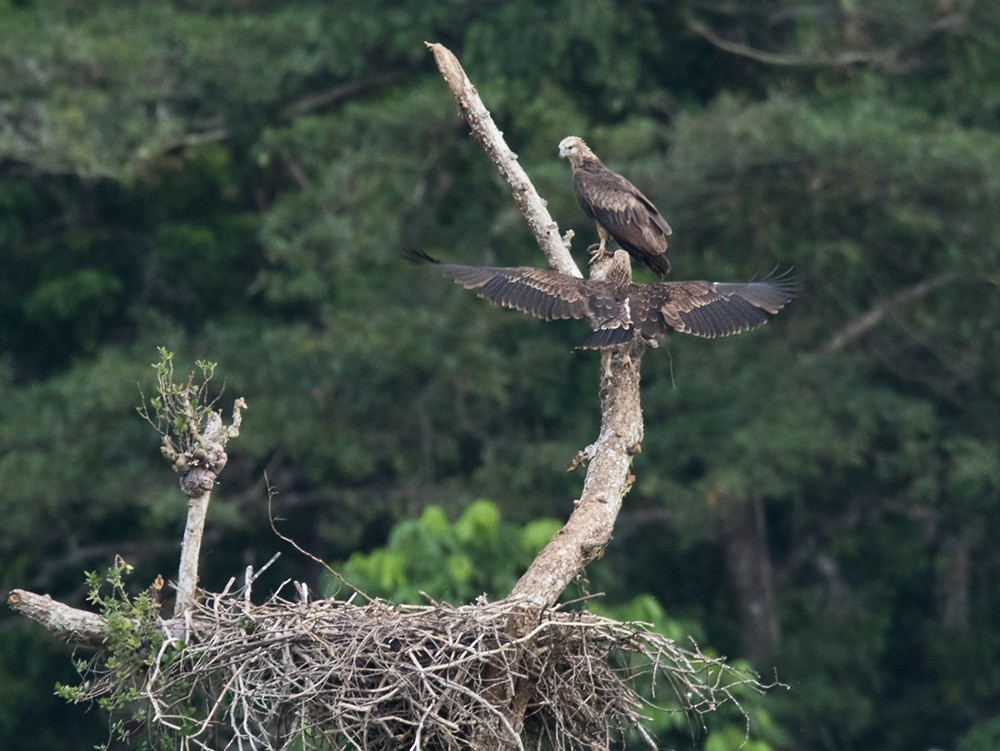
(578, 153)
(570, 146)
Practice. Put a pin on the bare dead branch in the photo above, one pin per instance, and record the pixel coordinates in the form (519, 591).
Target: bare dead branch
(188, 140)
(336, 94)
(382, 676)
(900, 57)
(842, 59)
(79, 627)
(873, 317)
(608, 479)
(485, 131)
(589, 528)
(187, 573)
(227, 672)
(311, 556)
(207, 459)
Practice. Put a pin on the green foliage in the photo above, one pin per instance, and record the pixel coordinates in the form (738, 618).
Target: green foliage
(132, 642)
(456, 562)
(981, 737)
(479, 554)
(181, 410)
(748, 720)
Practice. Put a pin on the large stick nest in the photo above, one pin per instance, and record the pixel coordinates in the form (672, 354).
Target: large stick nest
(334, 674)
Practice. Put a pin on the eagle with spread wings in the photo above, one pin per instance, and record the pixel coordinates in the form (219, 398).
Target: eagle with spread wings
(617, 308)
(618, 207)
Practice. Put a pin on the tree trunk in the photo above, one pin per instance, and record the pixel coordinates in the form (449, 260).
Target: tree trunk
(954, 576)
(748, 567)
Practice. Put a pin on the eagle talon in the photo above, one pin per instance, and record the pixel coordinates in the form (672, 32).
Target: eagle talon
(595, 252)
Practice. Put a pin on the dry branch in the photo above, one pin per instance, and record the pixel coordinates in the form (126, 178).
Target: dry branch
(225, 673)
(485, 131)
(207, 459)
(900, 57)
(589, 529)
(838, 60)
(79, 627)
(864, 323)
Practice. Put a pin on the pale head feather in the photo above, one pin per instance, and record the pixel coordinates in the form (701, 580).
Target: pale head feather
(574, 149)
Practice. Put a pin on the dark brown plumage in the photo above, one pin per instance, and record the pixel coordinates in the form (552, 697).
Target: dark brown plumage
(618, 207)
(617, 308)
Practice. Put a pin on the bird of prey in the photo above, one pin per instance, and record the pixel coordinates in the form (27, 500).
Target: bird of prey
(618, 207)
(617, 308)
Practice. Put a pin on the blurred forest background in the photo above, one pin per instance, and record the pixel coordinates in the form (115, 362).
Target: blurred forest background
(236, 180)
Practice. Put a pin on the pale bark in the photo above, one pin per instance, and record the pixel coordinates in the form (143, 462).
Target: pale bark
(486, 132)
(206, 462)
(609, 458)
(864, 323)
(79, 627)
(187, 575)
(589, 528)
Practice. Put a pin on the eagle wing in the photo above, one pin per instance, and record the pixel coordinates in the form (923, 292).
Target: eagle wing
(625, 212)
(708, 309)
(617, 310)
(541, 293)
(548, 295)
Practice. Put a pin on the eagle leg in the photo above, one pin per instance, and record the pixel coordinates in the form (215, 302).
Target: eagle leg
(602, 248)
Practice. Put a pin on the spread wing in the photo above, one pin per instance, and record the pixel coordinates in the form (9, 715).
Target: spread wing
(709, 309)
(617, 310)
(541, 293)
(627, 215)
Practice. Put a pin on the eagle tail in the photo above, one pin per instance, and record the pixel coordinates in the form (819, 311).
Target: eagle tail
(605, 338)
(659, 264)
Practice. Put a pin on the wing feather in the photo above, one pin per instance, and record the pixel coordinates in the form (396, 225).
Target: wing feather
(711, 309)
(625, 212)
(617, 310)
(541, 293)
(602, 338)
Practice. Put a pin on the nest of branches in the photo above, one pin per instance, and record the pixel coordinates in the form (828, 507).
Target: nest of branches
(335, 674)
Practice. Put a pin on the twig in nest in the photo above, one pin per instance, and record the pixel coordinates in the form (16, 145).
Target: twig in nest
(379, 676)
(285, 538)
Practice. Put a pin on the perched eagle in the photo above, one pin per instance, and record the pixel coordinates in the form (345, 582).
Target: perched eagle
(619, 208)
(617, 308)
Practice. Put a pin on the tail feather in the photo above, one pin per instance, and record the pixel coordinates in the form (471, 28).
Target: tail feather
(605, 338)
(659, 264)
(414, 255)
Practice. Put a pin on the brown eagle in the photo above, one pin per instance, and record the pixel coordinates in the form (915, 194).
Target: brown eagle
(618, 308)
(618, 207)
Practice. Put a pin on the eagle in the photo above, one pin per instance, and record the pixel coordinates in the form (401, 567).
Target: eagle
(619, 309)
(618, 207)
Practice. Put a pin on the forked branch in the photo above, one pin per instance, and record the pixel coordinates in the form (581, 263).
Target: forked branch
(589, 528)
